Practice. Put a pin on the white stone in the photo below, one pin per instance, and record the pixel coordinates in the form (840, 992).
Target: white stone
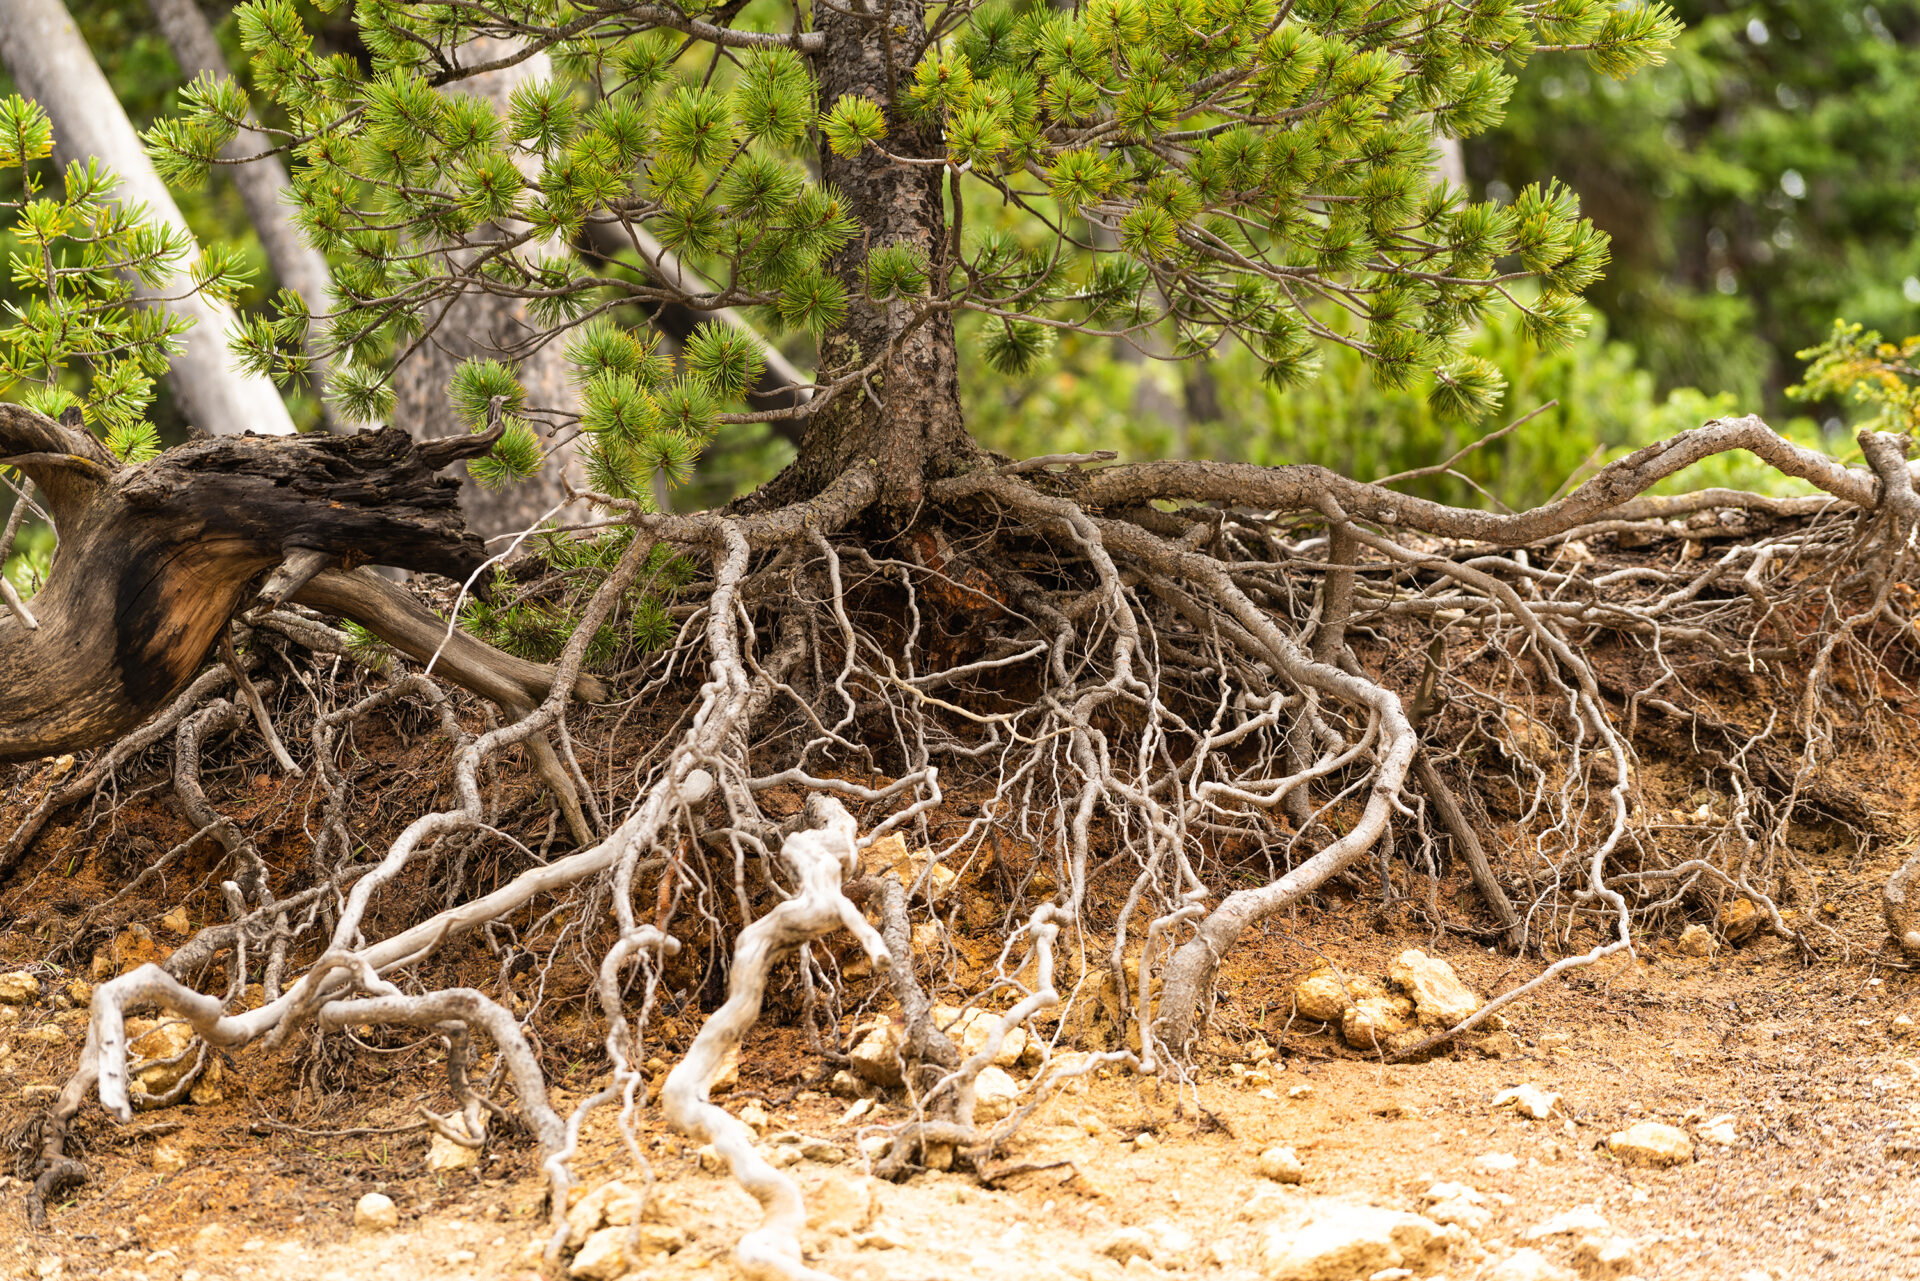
(876, 1056)
(1495, 1163)
(1528, 1265)
(612, 1202)
(1340, 1242)
(1651, 1143)
(1440, 999)
(971, 1028)
(994, 1094)
(1320, 996)
(376, 1211)
(1460, 1212)
(1722, 1130)
(1580, 1220)
(1528, 1100)
(842, 1204)
(1282, 1165)
(603, 1257)
(445, 1156)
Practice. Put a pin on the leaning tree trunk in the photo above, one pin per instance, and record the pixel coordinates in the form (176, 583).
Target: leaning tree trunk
(479, 324)
(51, 64)
(154, 560)
(262, 183)
(906, 419)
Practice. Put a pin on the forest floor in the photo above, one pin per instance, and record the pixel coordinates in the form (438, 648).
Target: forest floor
(1818, 1182)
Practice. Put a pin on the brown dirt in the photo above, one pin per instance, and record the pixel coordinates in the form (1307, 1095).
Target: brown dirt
(1819, 1183)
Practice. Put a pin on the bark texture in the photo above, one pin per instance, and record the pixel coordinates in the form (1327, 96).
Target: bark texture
(51, 64)
(154, 560)
(478, 324)
(907, 420)
(261, 183)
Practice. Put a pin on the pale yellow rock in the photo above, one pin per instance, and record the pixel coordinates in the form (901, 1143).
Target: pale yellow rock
(169, 1156)
(445, 1156)
(1651, 1143)
(164, 1045)
(1695, 940)
(994, 1094)
(1600, 1257)
(1282, 1165)
(876, 1056)
(1320, 996)
(729, 1074)
(19, 988)
(177, 921)
(611, 1202)
(1342, 1242)
(1377, 1022)
(376, 1212)
(890, 854)
(1439, 998)
(46, 1034)
(842, 1204)
(971, 1028)
(602, 1258)
(1528, 1100)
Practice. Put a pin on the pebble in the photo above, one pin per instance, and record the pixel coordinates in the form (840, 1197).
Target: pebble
(1695, 940)
(1440, 999)
(1580, 1219)
(1282, 1165)
(168, 1157)
(1721, 1130)
(1320, 996)
(376, 1211)
(19, 988)
(842, 1204)
(603, 1257)
(177, 921)
(1651, 1143)
(1605, 1256)
(445, 1156)
(1495, 1163)
(1528, 1100)
(1127, 1243)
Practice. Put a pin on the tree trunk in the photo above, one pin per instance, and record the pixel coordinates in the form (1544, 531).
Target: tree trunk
(907, 420)
(51, 64)
(484, 325)
(261, 183)
(154, 560)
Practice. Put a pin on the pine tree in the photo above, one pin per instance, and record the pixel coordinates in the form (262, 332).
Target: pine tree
(1207, 170)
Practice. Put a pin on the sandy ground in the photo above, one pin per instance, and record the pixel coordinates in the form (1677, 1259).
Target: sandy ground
(1819, 1181)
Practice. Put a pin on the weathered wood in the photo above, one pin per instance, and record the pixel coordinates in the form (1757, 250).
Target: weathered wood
(154, 560)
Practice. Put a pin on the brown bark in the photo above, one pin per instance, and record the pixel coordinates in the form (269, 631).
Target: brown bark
(154, 560)
(907, 420)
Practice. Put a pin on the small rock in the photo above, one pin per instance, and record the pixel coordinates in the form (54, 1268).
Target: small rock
(77, 992)
(842, 1204)
(859, 1109)
(612, 1202)
(994, 1094)
(45, 1034)
(890, 854)
(1495, 1163)
(1528, 1265)
(1579, 1220)
(881, 1238)
(1721, 1130)
(1696, 940)
(168, 1156)
(755, 1118)
(19, 988)
(603, 1257)
(1600, 1257)
(1900, 1027)
(164, 1044)
(1457, 1203)
(1440, 999)
(1499, 1044)
(876, 1056)
(1127, 1243)
(1377, 1022)
(1352, 1241)
(444, 1155)
(845, 1085)
(1651, 1143)
(1282, 1165)
(1740, 920)
(1528, 1100)
(728, 1077)
(176, 921)
(814, 1148)
(1321, 996)
(711, 1162)
(971, 1028)
(376, 1212)
(207, 1090)
(1300, 1092)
